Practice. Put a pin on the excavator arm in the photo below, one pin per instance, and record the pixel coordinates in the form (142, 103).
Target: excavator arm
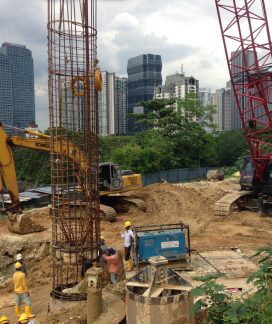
(7, 170)
(41, 143)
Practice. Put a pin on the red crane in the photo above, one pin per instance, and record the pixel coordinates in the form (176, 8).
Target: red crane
(247, 43)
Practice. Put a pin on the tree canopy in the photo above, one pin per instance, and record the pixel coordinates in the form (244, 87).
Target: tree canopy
(176, 135)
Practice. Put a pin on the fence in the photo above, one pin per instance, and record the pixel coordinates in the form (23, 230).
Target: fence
(175, 175)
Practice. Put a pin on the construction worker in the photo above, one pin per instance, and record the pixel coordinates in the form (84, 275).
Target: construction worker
(23, 319)
(112, 259)
(20, 258)
(4, 320)
(21, 291)
(128, 236)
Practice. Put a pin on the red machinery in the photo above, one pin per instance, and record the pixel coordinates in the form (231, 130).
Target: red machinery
(247, 43)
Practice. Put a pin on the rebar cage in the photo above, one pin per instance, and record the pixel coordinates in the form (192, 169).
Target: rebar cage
(72, 59)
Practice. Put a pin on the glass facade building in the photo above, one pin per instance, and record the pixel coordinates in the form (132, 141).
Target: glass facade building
(144, 75)
(17, 100)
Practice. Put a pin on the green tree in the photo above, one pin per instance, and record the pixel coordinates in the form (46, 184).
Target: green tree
(149, 152)
(32, 166)
(231, 146)
(182, 123)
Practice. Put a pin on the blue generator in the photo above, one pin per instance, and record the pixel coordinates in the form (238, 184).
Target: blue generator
(169, 240)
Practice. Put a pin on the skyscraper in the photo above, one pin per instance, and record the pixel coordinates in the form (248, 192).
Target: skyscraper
(238, 62)
(112, 105)
(17, 101)
(121, 104)
(222, 101)
(106, 104)
(144, 75)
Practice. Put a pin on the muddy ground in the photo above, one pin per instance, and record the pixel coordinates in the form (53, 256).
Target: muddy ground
(191, 203)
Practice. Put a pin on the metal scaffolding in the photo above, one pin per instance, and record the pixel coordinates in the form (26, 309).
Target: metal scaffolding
(73, 110)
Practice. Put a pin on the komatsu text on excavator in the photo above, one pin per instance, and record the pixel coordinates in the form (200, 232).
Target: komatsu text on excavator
(113, 185)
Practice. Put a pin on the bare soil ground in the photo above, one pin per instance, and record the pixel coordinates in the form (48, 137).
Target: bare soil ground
(166, 203)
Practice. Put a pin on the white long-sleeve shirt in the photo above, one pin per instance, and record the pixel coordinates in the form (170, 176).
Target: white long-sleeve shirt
(128, 235)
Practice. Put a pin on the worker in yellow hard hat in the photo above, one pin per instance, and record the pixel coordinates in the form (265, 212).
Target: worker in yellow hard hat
(21, 291)
(20, 258)
(128, 236)
(4, 320)
(23, 319)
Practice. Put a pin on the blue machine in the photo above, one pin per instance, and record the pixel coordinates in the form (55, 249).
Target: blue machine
(169, 240)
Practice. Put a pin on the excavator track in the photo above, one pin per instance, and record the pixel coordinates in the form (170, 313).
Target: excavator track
(231, 202)
(138, 203)
(107, 213)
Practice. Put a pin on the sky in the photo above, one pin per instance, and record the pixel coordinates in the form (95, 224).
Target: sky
(184, 32)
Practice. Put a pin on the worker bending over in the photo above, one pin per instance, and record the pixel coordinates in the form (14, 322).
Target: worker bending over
(21, 291)
(112, 259)
(128, 236)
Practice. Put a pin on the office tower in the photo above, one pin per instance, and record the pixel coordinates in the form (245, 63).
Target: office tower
(176, 86)
(17, 103)
(237, 63)
(121, 105)
(144, 75)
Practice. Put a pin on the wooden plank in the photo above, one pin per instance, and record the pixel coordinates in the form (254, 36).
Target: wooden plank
(138, 284)
(172, 287)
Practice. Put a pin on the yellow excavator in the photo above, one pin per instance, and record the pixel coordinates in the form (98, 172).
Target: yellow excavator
(113, 185)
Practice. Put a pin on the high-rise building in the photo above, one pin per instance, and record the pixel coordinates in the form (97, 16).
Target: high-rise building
(17, 100)
(106, 102)
(144, 75)
(238, 62)
(205, 96)
(177, 86)
(112, 105)
(121, 104)
(221, 99)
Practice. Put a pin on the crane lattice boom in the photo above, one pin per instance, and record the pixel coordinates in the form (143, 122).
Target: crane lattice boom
(247, 43)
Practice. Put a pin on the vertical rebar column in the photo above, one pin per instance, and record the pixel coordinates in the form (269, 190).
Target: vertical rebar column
(73, 139)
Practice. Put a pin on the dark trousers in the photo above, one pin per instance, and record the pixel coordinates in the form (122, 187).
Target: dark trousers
(127, 253)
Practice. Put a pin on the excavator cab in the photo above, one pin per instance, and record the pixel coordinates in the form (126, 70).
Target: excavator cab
(110, 177)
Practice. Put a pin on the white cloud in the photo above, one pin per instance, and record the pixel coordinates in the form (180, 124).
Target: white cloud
(124, 21)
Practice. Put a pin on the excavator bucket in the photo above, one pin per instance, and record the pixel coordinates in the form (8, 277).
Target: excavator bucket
(23, 224)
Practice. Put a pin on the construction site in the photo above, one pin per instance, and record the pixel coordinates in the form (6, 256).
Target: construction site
(164, 234)
(226, 242)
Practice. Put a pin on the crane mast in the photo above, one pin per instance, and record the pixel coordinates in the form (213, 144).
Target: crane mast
(248, 48)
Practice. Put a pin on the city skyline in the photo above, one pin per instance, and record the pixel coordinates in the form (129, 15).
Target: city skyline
(185, 33)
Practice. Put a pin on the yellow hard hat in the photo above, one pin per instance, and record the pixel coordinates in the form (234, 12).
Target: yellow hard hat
(127, 224)
(23, 318)
(102, 237)
(4, 320)
(18, 265)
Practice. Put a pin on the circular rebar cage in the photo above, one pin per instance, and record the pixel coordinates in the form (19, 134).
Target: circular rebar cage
(73, 138)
